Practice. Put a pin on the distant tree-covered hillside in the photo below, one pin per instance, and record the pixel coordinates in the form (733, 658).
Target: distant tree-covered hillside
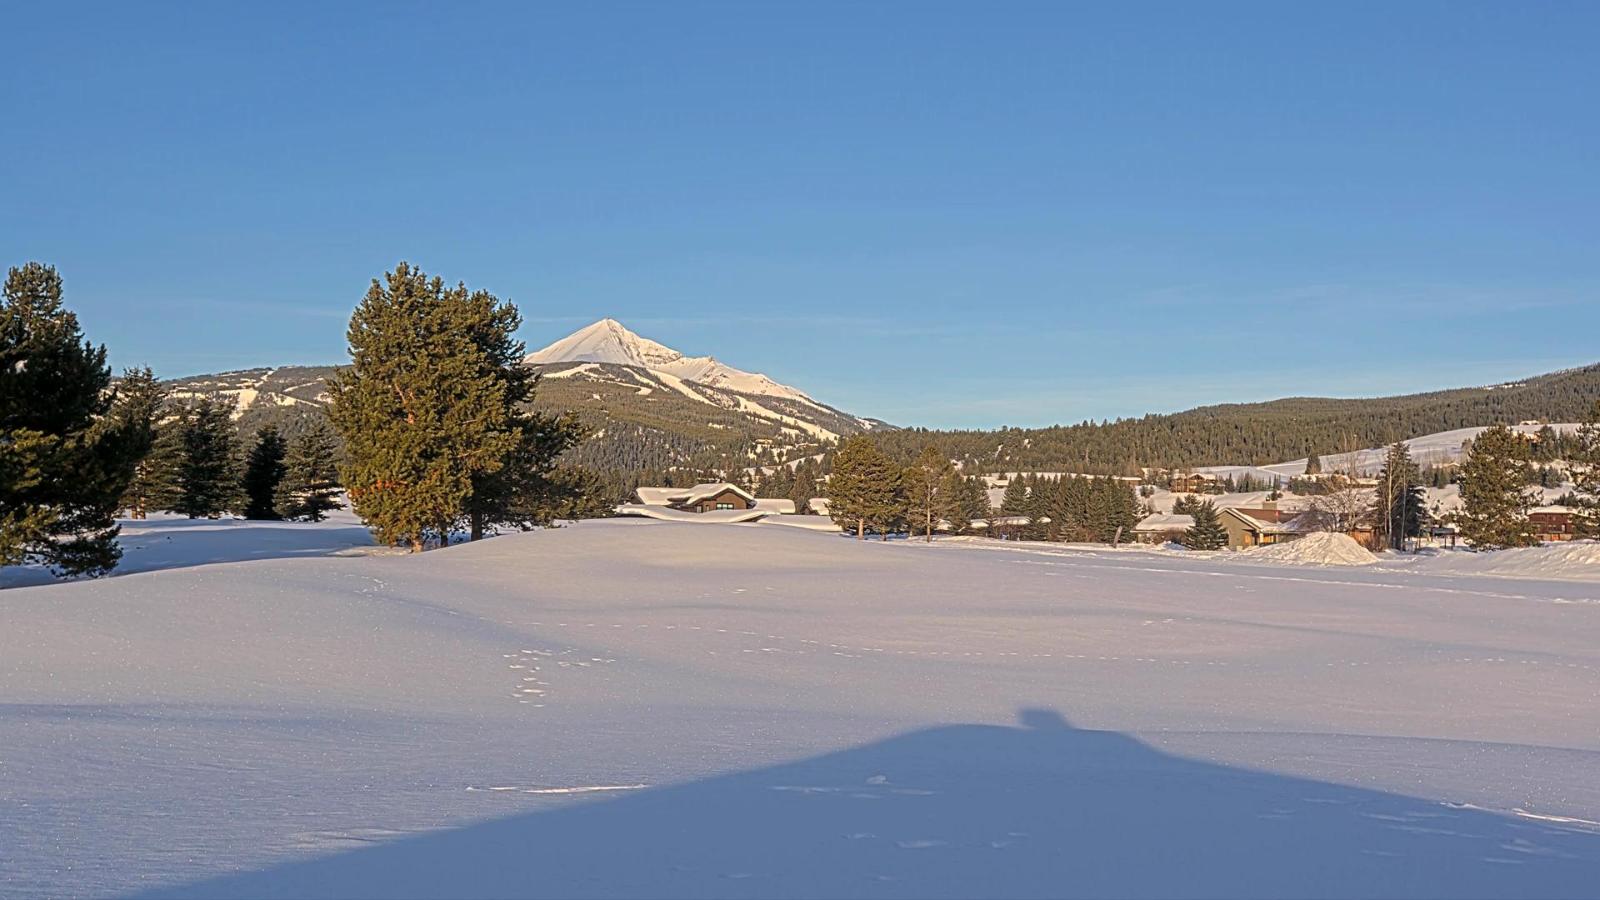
(1255, 433)
(636, 423)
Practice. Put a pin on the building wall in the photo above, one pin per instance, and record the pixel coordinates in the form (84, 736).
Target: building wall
(709, 504)
(1239, 535)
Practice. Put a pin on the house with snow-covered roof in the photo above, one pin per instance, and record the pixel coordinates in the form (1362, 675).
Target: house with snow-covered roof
(1162, 528)
(702, 498)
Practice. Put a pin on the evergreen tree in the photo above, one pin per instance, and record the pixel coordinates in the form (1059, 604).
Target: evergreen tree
(308, 487)
(64, 461)
(1185, 506)
(511, 485)
(957, 505)
(140, 398)
(925, 482)
(1122, 510)
(1207, 532)
(1494, 493)
(1014, 502)
(975, 499)
(1546, 445)
(1584, 466)
(576, 493)
(1400, 510)
(803, 486)
(1313, 465)
(864, 491)
(432, 413)
(206, 472)
(263, 471)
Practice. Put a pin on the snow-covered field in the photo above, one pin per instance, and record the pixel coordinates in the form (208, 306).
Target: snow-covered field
(638, 708)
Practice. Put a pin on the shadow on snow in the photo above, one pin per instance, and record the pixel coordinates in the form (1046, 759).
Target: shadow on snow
(150, 545)
(965, 811)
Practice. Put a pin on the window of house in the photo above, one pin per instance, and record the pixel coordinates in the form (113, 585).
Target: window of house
(724, 506)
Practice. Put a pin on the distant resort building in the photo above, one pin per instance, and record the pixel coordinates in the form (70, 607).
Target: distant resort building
(701, 498)
(712, 502)
(1190, 482)
(1552, 523)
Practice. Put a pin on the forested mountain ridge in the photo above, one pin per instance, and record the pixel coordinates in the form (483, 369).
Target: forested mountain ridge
(1257, 433)
(636, 418)
(644, 419)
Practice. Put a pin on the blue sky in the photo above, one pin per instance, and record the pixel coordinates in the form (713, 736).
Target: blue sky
(937, 214)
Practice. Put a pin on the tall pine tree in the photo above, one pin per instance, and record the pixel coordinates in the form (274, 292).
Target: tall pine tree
(64, 462)
(864, 491)
(263, 471)
(1400, 510)
(1207, 532)
(925, 485)
(433, 413)
(139, 404)
(309, 488)
(1494, 491)
(207, 470)
(1584, 467)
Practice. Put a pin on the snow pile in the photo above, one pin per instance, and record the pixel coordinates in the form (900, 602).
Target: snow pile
(1569, 561)
(1323, 548)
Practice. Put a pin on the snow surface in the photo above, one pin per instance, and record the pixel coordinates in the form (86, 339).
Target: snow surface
(1571, 560)
(637, 708)
(166, 541)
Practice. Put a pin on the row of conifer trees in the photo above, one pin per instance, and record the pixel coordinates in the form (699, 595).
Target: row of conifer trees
(869, 492)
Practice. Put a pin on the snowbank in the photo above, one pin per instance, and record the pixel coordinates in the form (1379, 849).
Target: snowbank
(1320, 549)
(1570, 561)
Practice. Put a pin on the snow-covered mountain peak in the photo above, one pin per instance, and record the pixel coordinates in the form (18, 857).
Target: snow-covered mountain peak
(609, 341)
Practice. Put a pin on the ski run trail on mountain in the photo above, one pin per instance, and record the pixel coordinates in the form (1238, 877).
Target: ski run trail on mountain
(637, 708)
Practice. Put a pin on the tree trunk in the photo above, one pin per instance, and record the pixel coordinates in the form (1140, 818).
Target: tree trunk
(416, 545)
(861, 529)
(477, 527)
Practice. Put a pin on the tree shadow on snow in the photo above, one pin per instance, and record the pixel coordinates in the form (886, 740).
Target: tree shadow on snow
(970, 811)
(154, 544)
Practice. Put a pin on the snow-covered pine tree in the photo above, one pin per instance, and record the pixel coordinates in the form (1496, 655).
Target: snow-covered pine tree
(1207, 532)
(263, 470)
(309, 487)
(1494, 491)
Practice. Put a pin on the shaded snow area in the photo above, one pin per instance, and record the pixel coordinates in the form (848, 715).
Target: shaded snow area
(166, 541)
(1320, 549)
(640, 708)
